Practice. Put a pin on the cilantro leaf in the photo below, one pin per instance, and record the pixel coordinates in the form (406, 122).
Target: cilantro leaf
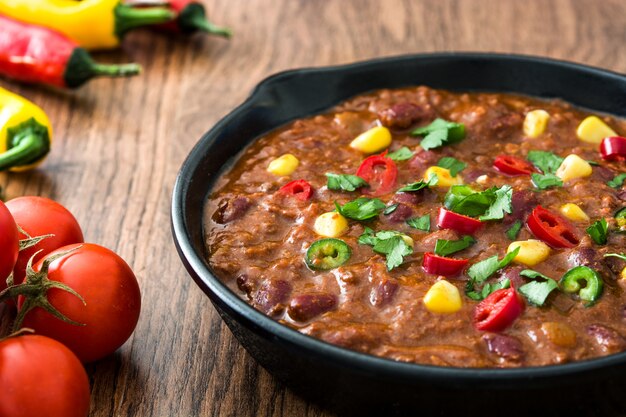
(420, 223)
(536, 292)
(545, 181)
(440, 132)
(390, 209)
(493, 287)
(598, 231)
(490, 204)
(344, 182)
(501, 205)
(514, 230)
(448, 247)
(617, 181)
(389, 243)
(362, 208)
(481, 271)
(401, 154)
(529, 273)
(368, 237)
(621, 256)
(547, 162)
(452, 164)
(419, 185)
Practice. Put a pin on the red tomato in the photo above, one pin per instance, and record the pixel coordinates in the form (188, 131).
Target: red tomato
(41, 377)
(111, 294)
(299, 189)
(9, 243)
(552, 228)
(380, 173)
(440, 265)
(511, 165)
(613, 148)
(40, 216)
(496, 312)
(463, 224)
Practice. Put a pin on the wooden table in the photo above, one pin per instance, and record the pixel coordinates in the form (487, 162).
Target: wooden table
(120, 143)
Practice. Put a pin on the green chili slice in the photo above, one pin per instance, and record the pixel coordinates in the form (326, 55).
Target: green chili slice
(327, 254)
(620, 218)
(571, 283)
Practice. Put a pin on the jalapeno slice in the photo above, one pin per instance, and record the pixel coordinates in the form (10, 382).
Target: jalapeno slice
(327, 254)
(620, 218)
(570, 283)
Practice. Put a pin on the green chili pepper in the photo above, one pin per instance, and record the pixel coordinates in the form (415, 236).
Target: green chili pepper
(327, 254)
(620, 218)
(570, 283)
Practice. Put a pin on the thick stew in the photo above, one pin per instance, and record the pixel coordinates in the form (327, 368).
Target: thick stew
(470, 230)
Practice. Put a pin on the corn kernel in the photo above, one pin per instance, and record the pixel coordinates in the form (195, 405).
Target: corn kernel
(444, 177)
(283, 165)
(531, 251)
(443, 297)
(559, 333)
(573, 166)
(574, 212)
(623, 274)
(535, 123)
(408, 240)
(331, 224)
(593, 130)
(374, 140)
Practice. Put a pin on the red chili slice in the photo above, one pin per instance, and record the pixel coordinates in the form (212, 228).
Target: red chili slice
(496, 312)
(440, 265)
(613, 148)
(463, 224)
(552, 228)
(380, 173)
(512, 165)
(300, 189)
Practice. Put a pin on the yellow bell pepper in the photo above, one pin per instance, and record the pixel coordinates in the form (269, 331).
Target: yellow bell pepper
(25, 133)
(93, 24)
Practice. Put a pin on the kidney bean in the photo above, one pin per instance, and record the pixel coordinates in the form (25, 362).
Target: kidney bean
(231, 209)
(471, 175)
(271, 296)
(384, 292)
(246, 284)
(423, 160)
(609, 340)
(503, 125)
(507, 347)
(304, 307)
(622, 195)
(601, 173)
(588, 256)
(522, 203)
(400, 214)
(512, 273)
(408, 198)
(403, 115)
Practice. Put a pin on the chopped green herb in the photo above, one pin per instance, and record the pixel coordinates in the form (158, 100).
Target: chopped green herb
(621, 256)
(492, 287)
(594, 163)
(448, 247)
(362, 208)
(481, 271)
(547, 162)
(419, 185)
(344, 182)
(420, 223)
(390, 209)
(452, 164)
(401, 154)
(536, 292)
(490, 204)
(390, 243)
(598, 231)
(501, 205)
(514, 230)
(617, 181)
(545, 181)
(529, 273)
(440, 132)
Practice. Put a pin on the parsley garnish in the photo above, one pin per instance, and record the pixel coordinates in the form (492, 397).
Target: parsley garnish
(416, 186)
(621, 256)
(448, 247)
(490, 204)
(492, 287)
(536, 292)
(401, 154)
(389, 243)
(362, 208)
(420, 223)
(452, 164)
(440, 132)
(617, 181)
(481, 271)
(514, 230)
(390, 209)
(598, 231)
(548, 163)
(344, 182)
(545, 181)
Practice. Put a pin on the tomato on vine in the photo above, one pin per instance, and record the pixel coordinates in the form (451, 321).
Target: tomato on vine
(9, 243)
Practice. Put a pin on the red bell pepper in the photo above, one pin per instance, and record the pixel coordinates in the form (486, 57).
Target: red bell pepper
(513, 166)
(35, 54)
(496, 312)
(440, 265)
(299, 189)
(380, 173)
(552, 228)
(463, 224)
(613, 148)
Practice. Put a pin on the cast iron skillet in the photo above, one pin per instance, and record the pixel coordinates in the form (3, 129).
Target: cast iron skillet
(357, 383)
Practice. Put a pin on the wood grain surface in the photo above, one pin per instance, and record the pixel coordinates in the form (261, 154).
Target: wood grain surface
(120, 143)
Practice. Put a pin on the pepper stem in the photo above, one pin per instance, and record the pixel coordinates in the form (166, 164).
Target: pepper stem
(193, 18)
(128, 18)
(81, 68)
(27, 142)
